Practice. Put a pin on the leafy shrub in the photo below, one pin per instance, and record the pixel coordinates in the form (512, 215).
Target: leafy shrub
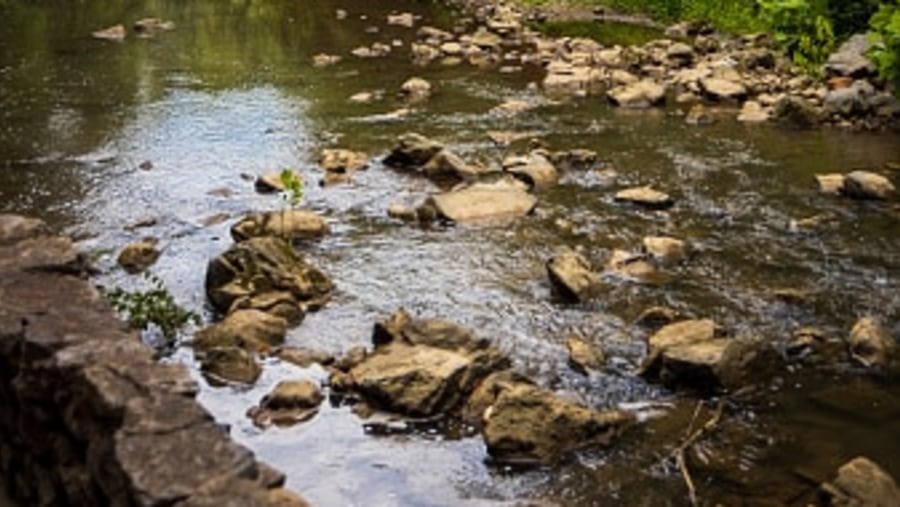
(802, 29)
(885, 52)
(153, 306)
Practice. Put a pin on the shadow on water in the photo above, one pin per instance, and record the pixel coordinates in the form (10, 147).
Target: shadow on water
(232, 90)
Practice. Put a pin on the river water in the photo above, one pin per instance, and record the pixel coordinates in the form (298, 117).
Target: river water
(232, 90)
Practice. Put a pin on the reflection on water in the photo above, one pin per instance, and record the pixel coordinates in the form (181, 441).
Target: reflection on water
(232, 90)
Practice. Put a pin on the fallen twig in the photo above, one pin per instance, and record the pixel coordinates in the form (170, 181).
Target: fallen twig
(690, 439)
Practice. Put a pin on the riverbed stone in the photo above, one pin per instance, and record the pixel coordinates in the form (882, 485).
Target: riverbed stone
(224, 365)
(699, 115)
(254, 330)
(534, 169)
(270, 182)
(796, 112)
(871, 344)
(115, 33)
(578, 159)
(731, 363)
(260, 266)
(446, 164)
(867, 185)
(412, 151)
(139, 255)
(753, 112)
(723, 89)
(571, 276)
(289, 402)
(342, 161)
(483, 202)
(151, 26)
(831, 183)
(584, 356)
(850, 59)
(631, 266)
(645, 196)
(14, 228)
(416, 89)
(642, 94)
(861, 482)
(665, 248)
(289, 224)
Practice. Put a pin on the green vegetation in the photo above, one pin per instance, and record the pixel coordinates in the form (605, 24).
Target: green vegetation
(293, 187)
(885, 26)
(153, 306)
(802, 29)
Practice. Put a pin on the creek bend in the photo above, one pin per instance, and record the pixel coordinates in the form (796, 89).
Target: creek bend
(233, 90)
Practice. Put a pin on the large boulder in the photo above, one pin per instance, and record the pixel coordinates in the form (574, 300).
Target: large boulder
(642, 94)
(265, 269)
(850, 59)
(870, 343)
(861, 482)
(527, 425)
(867, 185)
(290, 224)
(571, 275)
(483, 202)
(423, 367)
(412, 151)
(254, 330)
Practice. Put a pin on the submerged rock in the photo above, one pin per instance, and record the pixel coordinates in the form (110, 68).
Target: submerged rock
(571, 275)
(667, 249)
(795, 112)
(252, 269)
(753, 112)
(138, 256)
(288, 224)
(150, 26)
(870, 344)
(632, 266)
(699, 115)
(290, 402)
(731, 363)
(114, 33)
(861, 482)
(645, 196)
(416, 89)
(412, 151)
(867, 185)
(483, 202)
(253, 330)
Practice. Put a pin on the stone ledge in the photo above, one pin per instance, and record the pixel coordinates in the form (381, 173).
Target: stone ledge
(87, 415)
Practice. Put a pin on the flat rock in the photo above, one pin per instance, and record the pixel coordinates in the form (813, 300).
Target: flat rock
(861, 482)
(483, 202)
(731, 363)
(642, 94)
(251, 329)
(832, 183)
(115, 33)
(290, 402)
(645, 196)
(289, 224)
(867, 185)
(723, 89)
(571, 275)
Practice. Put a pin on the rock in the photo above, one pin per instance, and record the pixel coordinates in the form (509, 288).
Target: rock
(682, 333)
(643, 94)
(511, 107)
(534, 169)
(222, 365)
(486, 40)
(847, 101)
(288, 224)
(290, 402)
(567, 79)
(871, 344)
(867, 185)
(404, 19)
(451, 48)
(253, 330)
(573, 160)
(631, 266)
(832, 183)
(412, 150)
(114, 33)
(362, 98)
(753, 112)
(526, 425)
(303, 357)
(260, 266)
(271, 182)
(795, 112)
(680, 54)
(416, 89)
(731, 363)
(138, 256)
(481, 202)
(343, 161)
(670, 250)
(657, 317)
(622, 77)
(323, 60)
(850, 59)
(584, 356)
(446, 164)
(723, 89)
(423, 367)
(402, 212)
(861, 482)
(699, 115)
(151, 26)
(645, 196)
(571, 276)
(14, 228)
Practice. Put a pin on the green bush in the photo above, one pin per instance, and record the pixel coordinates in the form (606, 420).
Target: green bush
(154, 306)
(885, 25)
(802, 29)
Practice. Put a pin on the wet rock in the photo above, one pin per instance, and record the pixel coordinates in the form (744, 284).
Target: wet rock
(753, 112)
(416, 89)
(832, 183)
(114, 33)
(482, 202)
(850, 59)
(138, 256)
(645, 196)
(402, 212)
(667, 249)
(643, 94)
(14, 228)
(271, 182)
(534, 169)
(813, 345)
(423, 367)
(584, 356)
(150, 26)
(486, 40)
(290, 402)
(861, 482)
(867, 185)
(303, 357)
(795, 112)
(657, 317)
(849, 101)
(324, 60)
(343, 161)
(260, 266)
(253, 330)
(526, 425)
(449, 165)
(723, 89)
(223, 365)
(362, 98)
(871, 344)
(412, 151)
(631, 266)
(573, 160)
(680, 54)
(357, 354)
(699, 115)
(288, 224)
(731, 363)
(571, 275)
(404, 19)
(567, 79)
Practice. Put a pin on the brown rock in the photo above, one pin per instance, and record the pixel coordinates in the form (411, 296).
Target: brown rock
(584, 356)
(571, 275)
(139, 256)
(223, 365)
(670, 250)
(860, 482)
(483, 202)
(830, 183)
(253, 330)
(867, 185)
(289, 224)
(645, 196)
(289, 403)
(870, 344)
(114, 33)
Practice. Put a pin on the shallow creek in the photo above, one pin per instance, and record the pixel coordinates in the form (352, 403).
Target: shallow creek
(232, 90)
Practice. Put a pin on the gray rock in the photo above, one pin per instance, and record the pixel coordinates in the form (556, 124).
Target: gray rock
(571, 275)
(867, 185)
(850, 59)
(862, 483)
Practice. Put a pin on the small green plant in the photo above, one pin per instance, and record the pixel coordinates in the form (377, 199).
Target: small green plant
(153, 306)
(885, 35)
(802, 29)
(293, 187)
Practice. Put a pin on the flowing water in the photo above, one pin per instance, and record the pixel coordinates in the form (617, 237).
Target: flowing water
(232, 90)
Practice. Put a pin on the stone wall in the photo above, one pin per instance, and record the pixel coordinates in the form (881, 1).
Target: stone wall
(88, 416)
